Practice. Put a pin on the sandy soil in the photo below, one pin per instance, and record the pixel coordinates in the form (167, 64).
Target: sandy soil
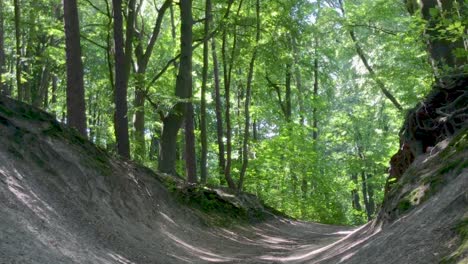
(59, 205)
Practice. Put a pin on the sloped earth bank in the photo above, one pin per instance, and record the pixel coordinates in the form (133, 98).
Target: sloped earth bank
(62, 200)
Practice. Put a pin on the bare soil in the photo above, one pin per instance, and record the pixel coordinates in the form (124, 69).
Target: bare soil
(64, 201)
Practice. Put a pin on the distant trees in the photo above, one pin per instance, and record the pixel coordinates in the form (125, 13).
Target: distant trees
(287, 99)
(76, 110)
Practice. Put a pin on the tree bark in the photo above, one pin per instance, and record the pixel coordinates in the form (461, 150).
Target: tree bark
(183, 90)
(3, 86)
(203, 135)
(365, 195)
(248, 96)
(123, 54)
(439, 48)
(76, 109)
(227, 71)
(355, 193)
(219, 112)
(143, 56)
(19, 86)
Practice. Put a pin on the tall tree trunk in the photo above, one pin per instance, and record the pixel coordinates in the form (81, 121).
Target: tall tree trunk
(3, 85)
(19, 86)
(248, 96)
(227, 71)
(183, 90)
(76, 109)
(288, 94)
(316, 87)
(219, 112)
(203, 135)
(123, 54)
(143, 56)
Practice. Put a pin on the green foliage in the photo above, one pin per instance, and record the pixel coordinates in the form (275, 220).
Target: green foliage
(302, 164)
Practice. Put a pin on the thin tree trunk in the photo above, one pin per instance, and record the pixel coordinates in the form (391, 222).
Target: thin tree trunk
(227, 70)
(355, 193)
(316, 87)
(3, 85)
(143, 57)
(288, 94)
(248, 95)
(203, 135)
(123, 53)
(19, 87)
(363, 58)
(365, 195)
(370, 192)
(219, 112)
(76, 109)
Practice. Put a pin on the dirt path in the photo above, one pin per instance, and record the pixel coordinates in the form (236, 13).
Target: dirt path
(64, 201)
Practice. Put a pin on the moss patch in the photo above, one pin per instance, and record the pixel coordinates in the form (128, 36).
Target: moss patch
(459, 255)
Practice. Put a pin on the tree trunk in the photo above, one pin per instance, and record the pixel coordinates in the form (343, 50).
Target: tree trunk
(316, 87)
(203, 135)
(123, 53)
(365, 196)
(3, 86)
(190, 156)
(19, 86)
(440, 48)
(355, 193)
(76, 109)
(143, 57)
(183, 90)
(248, 95)
(219, 112)
(227, 71)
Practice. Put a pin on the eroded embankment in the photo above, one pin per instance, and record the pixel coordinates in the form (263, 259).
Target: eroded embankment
(62, 200)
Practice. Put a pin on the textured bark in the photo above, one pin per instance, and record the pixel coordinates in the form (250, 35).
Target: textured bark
(355, 193)
(365, 195)
(248, 95)
(123, 53)
(203, 134)
(143, 56)
(441, 49)
(4, 90)
(183, 90)
(19, 87)
(76, 109)
(219, 112)
(227, 71)
(316, 87)
(288, 93)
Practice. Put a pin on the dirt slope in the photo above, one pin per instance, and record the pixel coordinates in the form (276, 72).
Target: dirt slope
(64, 201)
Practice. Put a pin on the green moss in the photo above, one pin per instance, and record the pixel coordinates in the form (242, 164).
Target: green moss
(15, 152)
(5, 110)
(455, 257)
(214, 210)
(404, 205)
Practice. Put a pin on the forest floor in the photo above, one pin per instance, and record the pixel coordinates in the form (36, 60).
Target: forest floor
(62, 200)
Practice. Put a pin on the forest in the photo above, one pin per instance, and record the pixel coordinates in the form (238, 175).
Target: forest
(299, 102)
